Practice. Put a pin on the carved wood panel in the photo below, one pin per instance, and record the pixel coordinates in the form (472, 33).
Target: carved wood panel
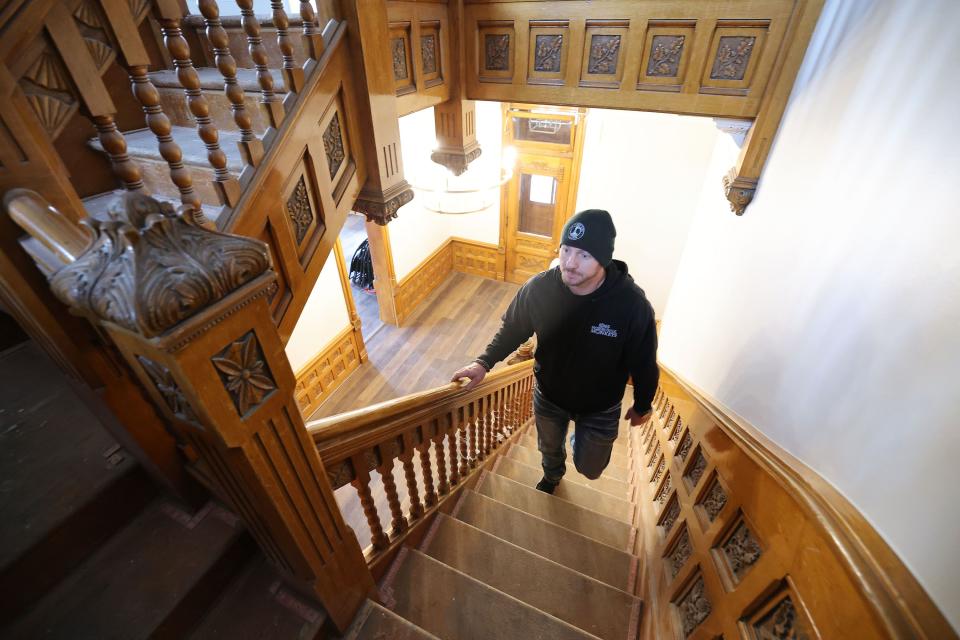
(549, 51)
(49, 90)
(666, 55)
(431, 62)
(401, 56)
(322, 375)
(603, 53)
(477, 259)
(427, 39)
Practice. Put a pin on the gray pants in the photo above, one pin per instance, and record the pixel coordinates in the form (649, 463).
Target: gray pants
(592, 441)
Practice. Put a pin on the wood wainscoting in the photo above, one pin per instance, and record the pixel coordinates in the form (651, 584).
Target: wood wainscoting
(739, 539)
(455, 254)
(327, 371)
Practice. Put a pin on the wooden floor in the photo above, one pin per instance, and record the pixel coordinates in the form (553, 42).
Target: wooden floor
(451, 328)
(352, 235)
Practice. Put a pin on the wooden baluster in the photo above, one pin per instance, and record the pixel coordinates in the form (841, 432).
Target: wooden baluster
(430, 495)
(452, 436)
(251, 149)
(292, 74)
(498, 432)
(115, 146)
(268, 100)
(312, 36)
(227, 186)
(487, 425)
(473, 424)
(463, 435)
(505, 409)
(479, 430)
(443, 486)
(158, 122)
(523, 408)
(406, 458)
(361, 483)
(398, 524)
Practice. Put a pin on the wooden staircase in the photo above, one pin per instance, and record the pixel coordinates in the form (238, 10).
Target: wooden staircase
(512, 562)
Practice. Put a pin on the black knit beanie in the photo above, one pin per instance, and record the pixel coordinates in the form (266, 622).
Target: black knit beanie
(593, 231)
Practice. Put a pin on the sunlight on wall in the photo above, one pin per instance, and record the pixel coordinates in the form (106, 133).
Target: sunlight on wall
(324, 316)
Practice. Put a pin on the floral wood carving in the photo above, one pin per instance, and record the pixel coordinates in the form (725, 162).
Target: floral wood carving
(665, 53)
(299, 210)
(733, 55)
(670, 515)
(680, 553)
(739, 191)
(149, 268)
(244, 373)
(496, 48)
(714, 501)
(696, 471)
(678, 427)
(428, 51)
(49, 92)
(456, 162)
(170, 391)
(741, 550)
(783, 623)
(684, 449)
(383, 212)
(664, 490)
(94, 32)
(333, 145)
(398, 49)
(604, 52)
(656, 450)
(694, 607)
(547, 53)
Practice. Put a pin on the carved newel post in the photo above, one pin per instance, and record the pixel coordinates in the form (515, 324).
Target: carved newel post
(188, 308)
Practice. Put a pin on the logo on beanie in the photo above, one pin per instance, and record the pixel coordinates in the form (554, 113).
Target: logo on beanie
(576, 231)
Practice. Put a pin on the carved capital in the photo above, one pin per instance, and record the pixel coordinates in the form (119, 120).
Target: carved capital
(739, 191)
(381, 207)
(456, 160)
(150, 268)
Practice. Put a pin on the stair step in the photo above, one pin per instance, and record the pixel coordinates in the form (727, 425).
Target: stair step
(257, 605)
(586, 497)
(531, 458)
(453, 606)
(591, 524)
(142, 147)
(579, 600)
(174, 102)
(99, 206)
(608, 564)
(377, 623)
(154, 577)
(618, 457)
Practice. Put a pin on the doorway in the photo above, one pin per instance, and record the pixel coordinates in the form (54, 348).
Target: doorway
(352, 238)
(541, 194)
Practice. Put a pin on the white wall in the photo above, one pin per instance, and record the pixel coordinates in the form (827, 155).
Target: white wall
(829, 315)
(417, 231)
(646, 170)
(324, 316)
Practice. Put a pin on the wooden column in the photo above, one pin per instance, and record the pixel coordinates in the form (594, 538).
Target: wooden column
(201, 340)
(385, 190)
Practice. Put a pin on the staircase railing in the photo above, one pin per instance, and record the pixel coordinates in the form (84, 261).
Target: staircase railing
(438, 437)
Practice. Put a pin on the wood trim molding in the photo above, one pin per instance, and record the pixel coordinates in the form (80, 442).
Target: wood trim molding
(327, 371)
(420, 283)
(896, 601)
(477, 258)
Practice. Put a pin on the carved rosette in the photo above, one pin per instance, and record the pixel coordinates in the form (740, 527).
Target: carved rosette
(456, 161)
(150, 268)
(244, 373)
(738, 191)
(383, 210)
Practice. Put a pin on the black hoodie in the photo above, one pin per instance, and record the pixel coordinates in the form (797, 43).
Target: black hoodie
(586, 345)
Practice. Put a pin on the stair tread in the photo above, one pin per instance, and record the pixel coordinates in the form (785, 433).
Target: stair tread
(591, 524)
(584, 496)
(99, 206)
(569, 548)
(454, 606)
(133, 582)
(375, 622)
(212, 79)
(582, 601)
(141, 143)
(531, 458)
(253, 606)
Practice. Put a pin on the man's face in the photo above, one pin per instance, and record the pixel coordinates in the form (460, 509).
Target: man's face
(577, 267)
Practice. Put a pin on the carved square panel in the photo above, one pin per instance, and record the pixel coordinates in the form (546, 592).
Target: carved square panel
(686, 443)
(669, 515)
(693, 605)
(401, 55)
(712, 500)
(337, 149)
(669, 419)
(656, 452)
(603, 53)
(664, 491)
(431, 59)
(677, 429)
(658, 470)
(549, 44)
(737, 552)
(244, 372)
(170, 391)
(733, 57)
(666, 54)
(782, 615)
(496, 42)
(302, 209)
(695, 470)
(666, 406)
(678, 553)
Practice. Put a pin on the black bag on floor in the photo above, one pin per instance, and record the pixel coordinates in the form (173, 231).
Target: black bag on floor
(361, 266)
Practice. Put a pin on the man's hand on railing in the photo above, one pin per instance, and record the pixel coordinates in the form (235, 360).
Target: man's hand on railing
(474, 371)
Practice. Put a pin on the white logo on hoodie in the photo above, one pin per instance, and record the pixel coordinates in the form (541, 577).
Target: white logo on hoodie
(604, 330)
